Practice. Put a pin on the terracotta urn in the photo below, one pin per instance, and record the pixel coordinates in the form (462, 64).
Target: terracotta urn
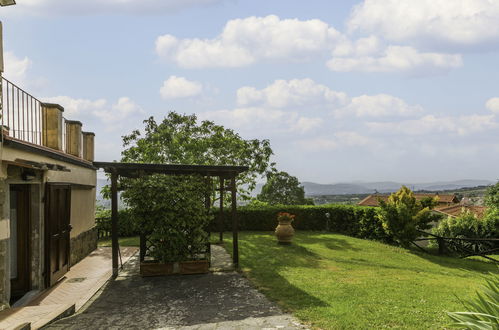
(284, 232)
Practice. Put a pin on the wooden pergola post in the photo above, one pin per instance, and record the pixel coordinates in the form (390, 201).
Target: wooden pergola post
(221, 211)
(114, 220)
(235, 223)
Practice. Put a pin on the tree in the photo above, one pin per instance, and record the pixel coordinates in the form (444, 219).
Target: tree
(181, 139)
(402, 215)
(282, 188)
(492, 196)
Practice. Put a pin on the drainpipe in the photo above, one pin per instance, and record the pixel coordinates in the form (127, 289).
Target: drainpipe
(1, 94)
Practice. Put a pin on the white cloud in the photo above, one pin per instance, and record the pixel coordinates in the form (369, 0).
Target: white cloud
(123, 108)
(394, 59)
(179, 87)
(431, 124)
(253, 119)
(76, 107)
(434, 23)
(89, 7)
(340, 139)
(493, 105)
(16, 68)
(291, 93)
(381, 105)
(244, 41)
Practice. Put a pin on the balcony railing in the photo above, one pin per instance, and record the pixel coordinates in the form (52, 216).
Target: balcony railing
(21, 113)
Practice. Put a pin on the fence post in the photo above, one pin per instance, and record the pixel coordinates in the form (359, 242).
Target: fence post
(441, 245)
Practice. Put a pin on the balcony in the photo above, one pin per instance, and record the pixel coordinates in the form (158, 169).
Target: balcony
(24, 118)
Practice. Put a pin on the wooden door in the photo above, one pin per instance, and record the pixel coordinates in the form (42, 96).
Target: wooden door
(20, 241)
(57, 228)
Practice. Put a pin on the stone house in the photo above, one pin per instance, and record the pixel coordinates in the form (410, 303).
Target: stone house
(47, 195)
(442, 199)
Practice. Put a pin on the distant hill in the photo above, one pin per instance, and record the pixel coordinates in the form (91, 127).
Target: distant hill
(312, 189)
(354, 188)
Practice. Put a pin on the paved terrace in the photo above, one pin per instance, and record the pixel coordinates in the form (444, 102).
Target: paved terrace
(219, 300)
(68, 295)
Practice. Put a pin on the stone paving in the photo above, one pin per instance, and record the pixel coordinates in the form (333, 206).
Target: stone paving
(218, 300)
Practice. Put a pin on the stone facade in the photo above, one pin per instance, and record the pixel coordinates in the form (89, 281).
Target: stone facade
(4, 297)
(83, 244)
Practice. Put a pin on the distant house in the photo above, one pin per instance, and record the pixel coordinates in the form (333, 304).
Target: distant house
(443, 199)
(448, 204)
(455, 210)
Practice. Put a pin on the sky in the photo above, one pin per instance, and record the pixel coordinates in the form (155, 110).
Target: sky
(373, 90)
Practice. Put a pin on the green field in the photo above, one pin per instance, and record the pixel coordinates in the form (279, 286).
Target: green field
(338, 282)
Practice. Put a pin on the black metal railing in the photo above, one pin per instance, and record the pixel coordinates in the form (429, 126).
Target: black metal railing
(21, 116)
(463, 246)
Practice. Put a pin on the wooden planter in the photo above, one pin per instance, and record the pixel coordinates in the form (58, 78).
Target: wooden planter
(194, 267)
(156, 269)
(183, 267)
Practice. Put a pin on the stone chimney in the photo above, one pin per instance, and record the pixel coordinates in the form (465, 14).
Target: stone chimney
(73, 137)
(52, 125)
(88, 146)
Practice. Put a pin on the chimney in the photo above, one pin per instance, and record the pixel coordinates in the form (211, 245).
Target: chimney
(52, 125)
(88, 146)
(73, 137)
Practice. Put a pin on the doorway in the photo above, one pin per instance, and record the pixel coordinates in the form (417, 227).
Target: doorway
(57, 228)
(20, 241)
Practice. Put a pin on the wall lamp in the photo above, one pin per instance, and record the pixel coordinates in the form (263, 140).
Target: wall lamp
(4, 3)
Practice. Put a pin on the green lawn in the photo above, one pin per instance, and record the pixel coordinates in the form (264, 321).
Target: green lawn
(338, 282)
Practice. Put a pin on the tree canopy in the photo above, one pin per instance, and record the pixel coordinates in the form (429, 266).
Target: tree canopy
(282, 188)
(182, 139)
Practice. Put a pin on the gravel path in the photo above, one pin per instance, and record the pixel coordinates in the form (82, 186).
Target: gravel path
(219, 300)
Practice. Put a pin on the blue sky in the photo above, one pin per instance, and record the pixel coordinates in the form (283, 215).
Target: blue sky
(367, 90)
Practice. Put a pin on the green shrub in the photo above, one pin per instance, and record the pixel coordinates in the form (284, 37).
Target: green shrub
(483, 311)
(467, 225)
(351, 220)
(171, 211)
(127, 227)
(403, 216)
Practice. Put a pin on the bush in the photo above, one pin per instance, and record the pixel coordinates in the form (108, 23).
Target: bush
(351, 220)
(467, 225)
(127, 227)
(403, 216)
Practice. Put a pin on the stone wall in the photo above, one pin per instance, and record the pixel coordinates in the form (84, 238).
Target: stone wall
(83, 244)
(4, 244)
(4, 301)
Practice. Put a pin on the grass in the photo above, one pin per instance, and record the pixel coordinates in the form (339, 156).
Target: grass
(333, 281)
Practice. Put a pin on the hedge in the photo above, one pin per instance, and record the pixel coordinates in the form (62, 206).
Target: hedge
(127, 227)
(352, 220)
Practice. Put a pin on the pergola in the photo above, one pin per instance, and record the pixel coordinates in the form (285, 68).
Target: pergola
(136, 170)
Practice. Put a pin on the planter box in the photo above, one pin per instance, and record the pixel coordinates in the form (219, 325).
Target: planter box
(156, 269)
(183, 267)
(194, 267)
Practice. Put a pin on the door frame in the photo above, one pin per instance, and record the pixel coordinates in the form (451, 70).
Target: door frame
(49, 280)
(23, 231)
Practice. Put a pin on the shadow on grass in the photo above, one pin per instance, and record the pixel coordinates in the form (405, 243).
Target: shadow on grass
(279, 259)
(332, 243)
(456, 262)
